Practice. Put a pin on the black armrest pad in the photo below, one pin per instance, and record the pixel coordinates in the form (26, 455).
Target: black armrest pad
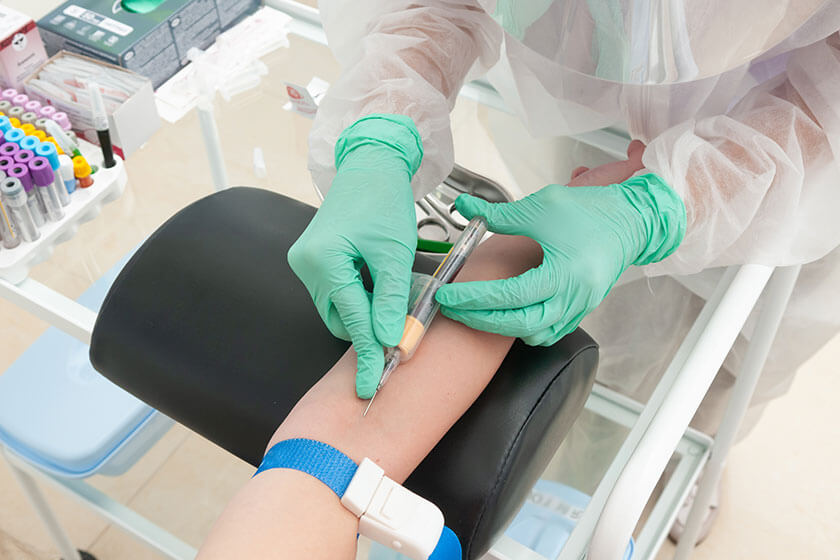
(208, 324)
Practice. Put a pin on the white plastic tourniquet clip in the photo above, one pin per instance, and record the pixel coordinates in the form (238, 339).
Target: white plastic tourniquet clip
(392, 515)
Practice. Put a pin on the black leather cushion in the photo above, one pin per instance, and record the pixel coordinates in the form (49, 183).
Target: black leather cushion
(208, 324)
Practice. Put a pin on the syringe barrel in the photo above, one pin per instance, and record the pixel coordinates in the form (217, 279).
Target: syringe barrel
(422, 309)
(463, 247)
(423, 289)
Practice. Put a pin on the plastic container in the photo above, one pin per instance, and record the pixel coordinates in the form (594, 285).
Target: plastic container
(548, 517)
(58, 413)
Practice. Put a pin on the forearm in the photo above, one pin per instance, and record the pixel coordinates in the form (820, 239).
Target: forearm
(758, 180)
(287, 514)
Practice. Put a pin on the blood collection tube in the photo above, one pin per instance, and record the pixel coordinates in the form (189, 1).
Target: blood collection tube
(9, 93)
(20, 99)
(10, 237)
(5, 125)
(48, 151)
(29, 143)
(13, 195)
(7, 230)
(66, 170)
(15, 122)
(44, 179)
(28, 128)
(21, 172)
(81, 169)
(28, 117)
(62, 119)
(63, 139)
(52, 141)
(6, 163)
(24, 156)
(5, 105)
(15, 112)
(47, 111)
(9, 149)
(14, 135)
(40, 135)
(32, 105)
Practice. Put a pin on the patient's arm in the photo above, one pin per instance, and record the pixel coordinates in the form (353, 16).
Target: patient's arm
(288, 514)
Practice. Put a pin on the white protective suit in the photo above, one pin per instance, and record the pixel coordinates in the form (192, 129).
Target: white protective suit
(738, 102)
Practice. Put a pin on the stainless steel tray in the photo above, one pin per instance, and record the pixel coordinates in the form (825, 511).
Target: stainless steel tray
(437, 218)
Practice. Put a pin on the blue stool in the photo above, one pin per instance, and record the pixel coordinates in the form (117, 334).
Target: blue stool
(58, 415)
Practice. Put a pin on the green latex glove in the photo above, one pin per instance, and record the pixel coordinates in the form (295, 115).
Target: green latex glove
(367, 217)
(589, 236)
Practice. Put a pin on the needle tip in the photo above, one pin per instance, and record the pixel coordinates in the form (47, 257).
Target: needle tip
(370, 402)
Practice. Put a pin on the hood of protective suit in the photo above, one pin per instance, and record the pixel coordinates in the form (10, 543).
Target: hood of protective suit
(651, 41)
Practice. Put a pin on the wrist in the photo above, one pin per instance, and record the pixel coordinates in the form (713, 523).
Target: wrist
(380, 139)
(662, 212)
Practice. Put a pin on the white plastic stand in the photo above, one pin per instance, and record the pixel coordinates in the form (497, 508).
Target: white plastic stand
(85, 205)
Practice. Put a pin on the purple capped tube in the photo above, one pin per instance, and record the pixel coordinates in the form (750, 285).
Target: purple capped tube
(21, 172)
(15, 199)
(24, 156)
(9, 149)
(44, 179)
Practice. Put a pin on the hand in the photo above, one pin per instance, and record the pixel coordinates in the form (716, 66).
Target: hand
(589, 236)
(368, 218)
(610, 173)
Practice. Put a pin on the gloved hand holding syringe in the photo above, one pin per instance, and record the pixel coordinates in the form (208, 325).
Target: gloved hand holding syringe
(425, 306)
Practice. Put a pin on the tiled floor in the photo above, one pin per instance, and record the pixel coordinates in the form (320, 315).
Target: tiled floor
(779, 498)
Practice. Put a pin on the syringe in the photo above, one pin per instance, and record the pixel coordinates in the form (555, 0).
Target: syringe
(425, 306)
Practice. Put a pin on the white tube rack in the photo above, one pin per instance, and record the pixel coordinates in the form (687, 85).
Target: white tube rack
(85, 205)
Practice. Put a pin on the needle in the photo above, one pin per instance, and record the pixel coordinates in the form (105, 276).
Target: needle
(370, 402)
(392, 360)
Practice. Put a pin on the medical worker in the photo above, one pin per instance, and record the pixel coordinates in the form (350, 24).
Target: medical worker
(737, 101)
